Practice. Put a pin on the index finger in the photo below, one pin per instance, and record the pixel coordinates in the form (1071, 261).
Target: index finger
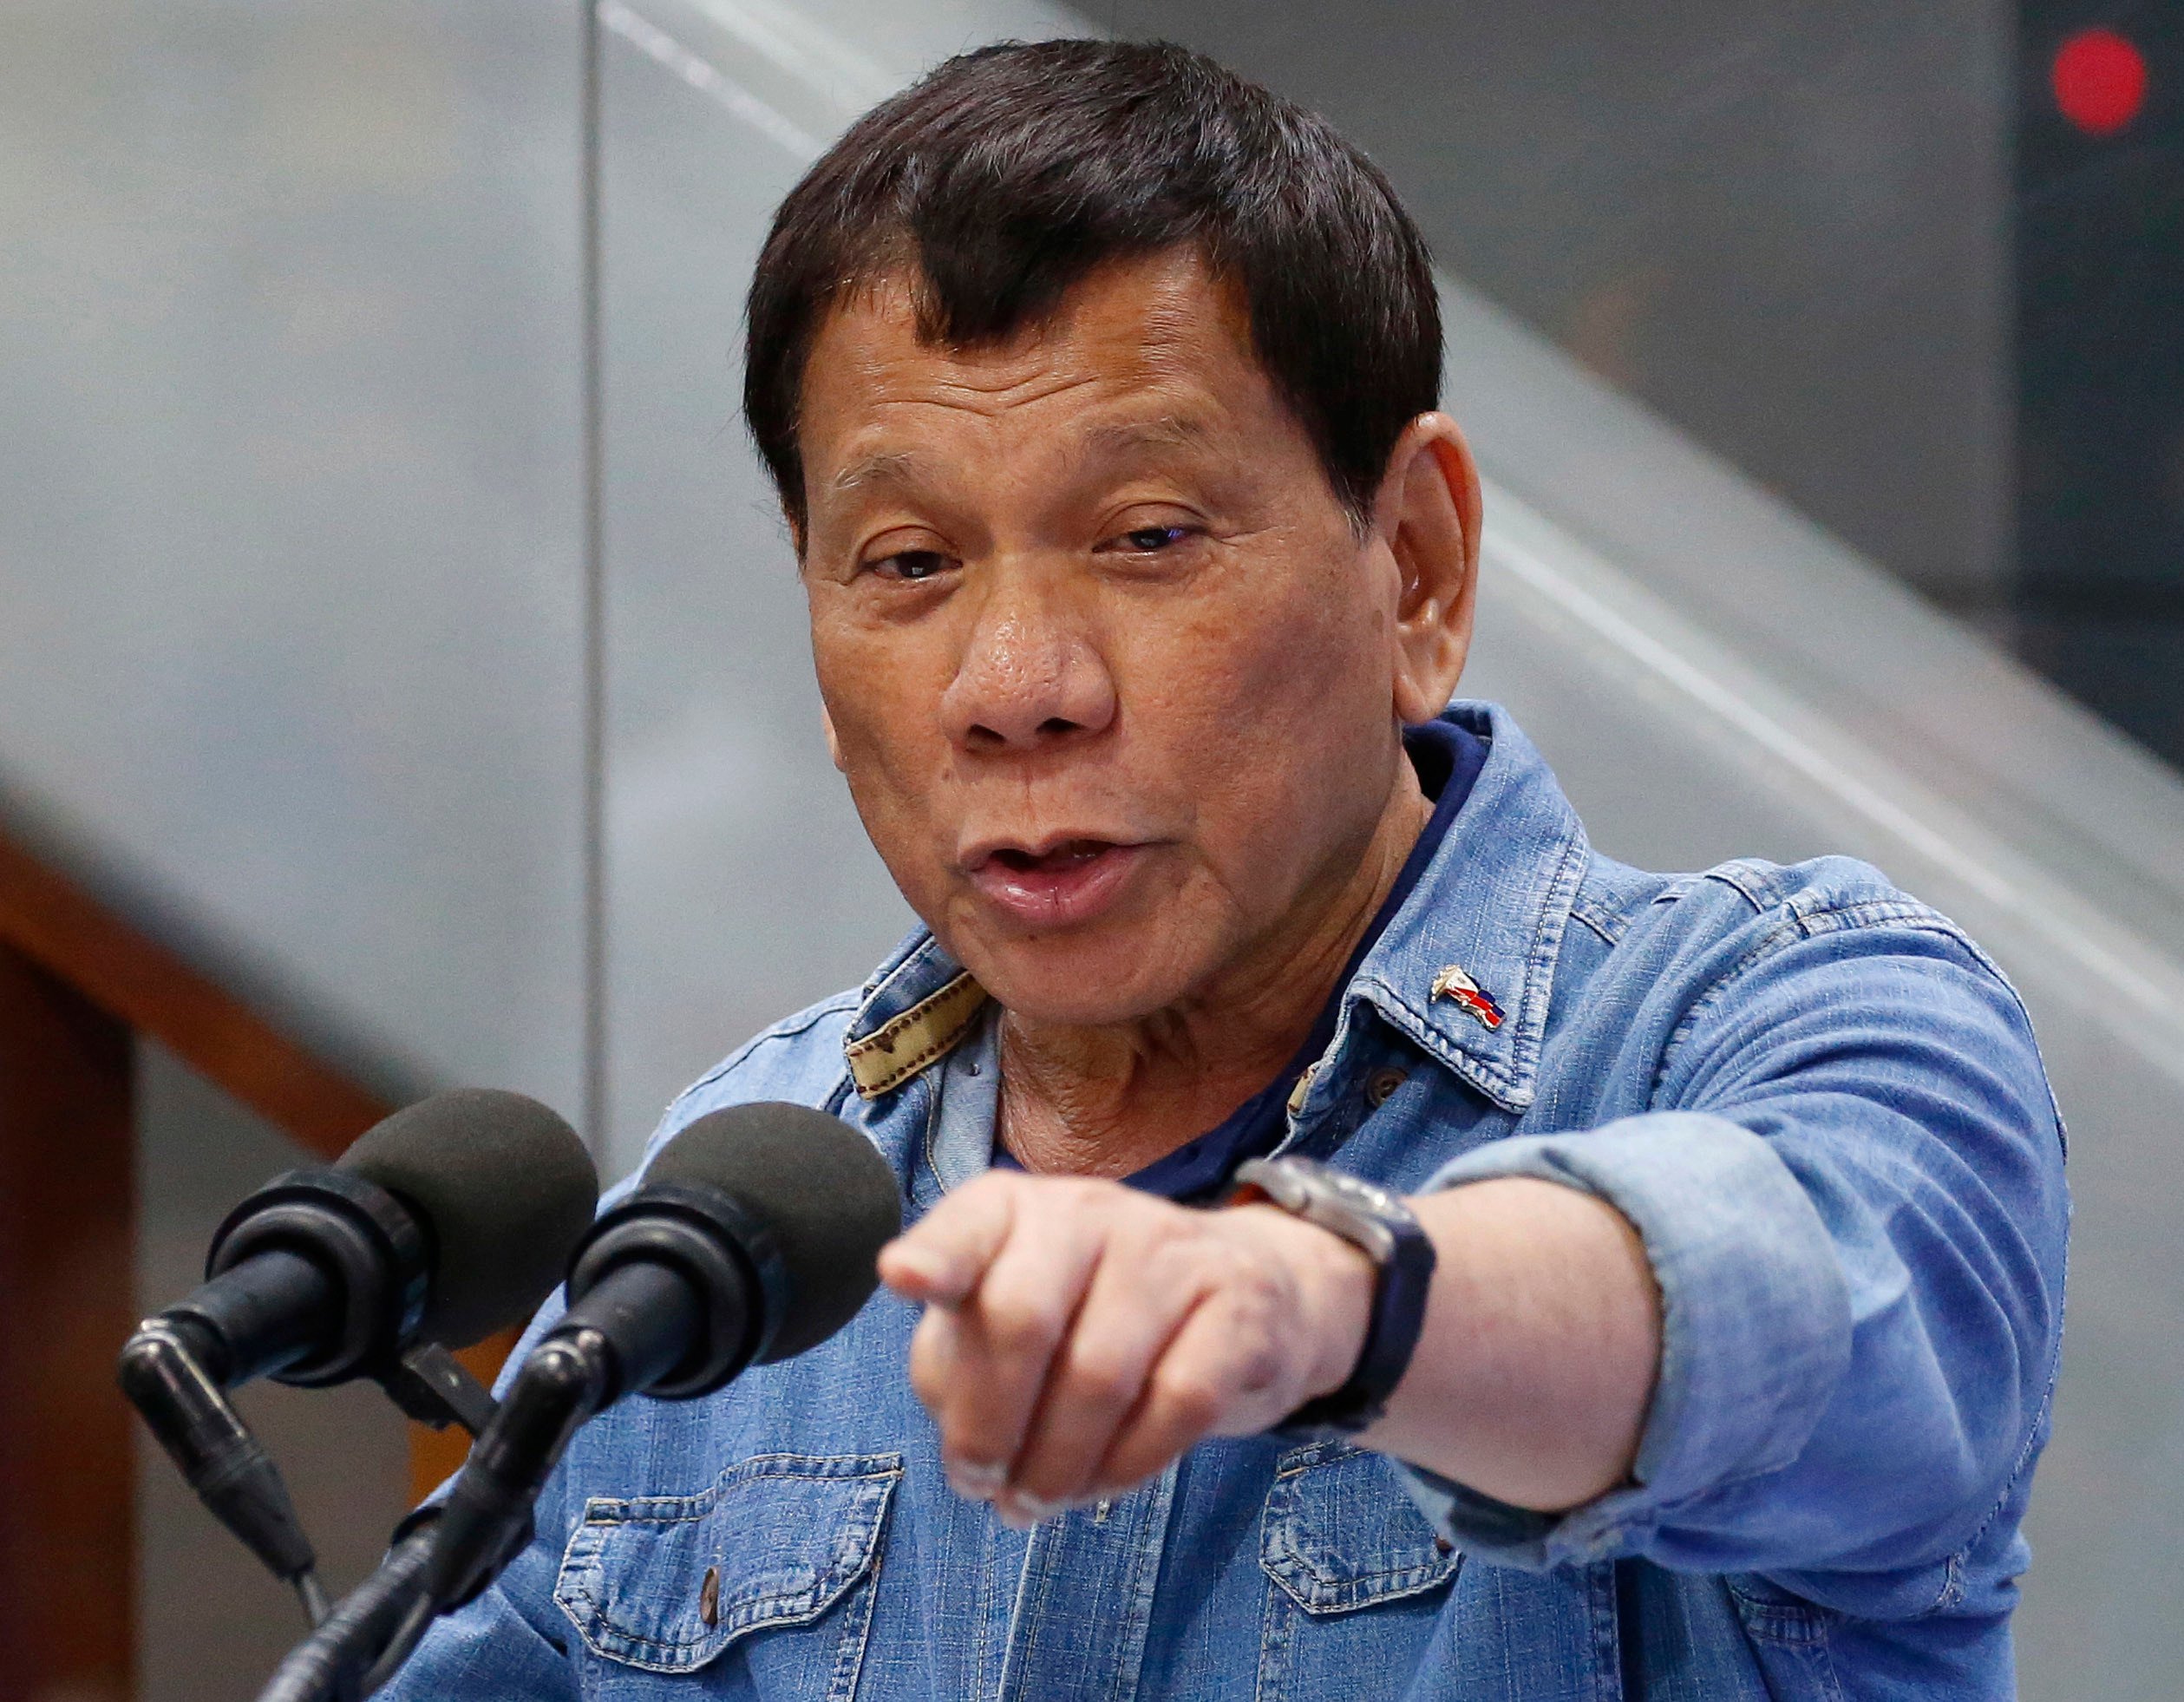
(939, 1260)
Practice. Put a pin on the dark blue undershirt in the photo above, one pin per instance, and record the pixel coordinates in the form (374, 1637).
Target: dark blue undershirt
(1448, 760)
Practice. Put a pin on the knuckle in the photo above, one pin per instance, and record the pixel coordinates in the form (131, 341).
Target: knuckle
(1169, 1235)
(1259, 1366)
(1018, 1324)
(1090, 1200)
(1175, 1251)
(1102, 1380)
(1192, 1400)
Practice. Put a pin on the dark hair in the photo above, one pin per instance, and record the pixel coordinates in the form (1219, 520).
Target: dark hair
(1008, 174)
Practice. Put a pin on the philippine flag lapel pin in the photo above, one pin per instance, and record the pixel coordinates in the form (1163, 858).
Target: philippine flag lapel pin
(1453, 982)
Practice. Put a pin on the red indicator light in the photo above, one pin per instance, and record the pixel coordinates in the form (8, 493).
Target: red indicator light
(2100, 81)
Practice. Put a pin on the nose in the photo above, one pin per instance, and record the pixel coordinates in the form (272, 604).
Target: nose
(1030, 677)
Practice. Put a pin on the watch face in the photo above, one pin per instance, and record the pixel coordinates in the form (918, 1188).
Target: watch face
(1360, 1212)
(1368, 1195)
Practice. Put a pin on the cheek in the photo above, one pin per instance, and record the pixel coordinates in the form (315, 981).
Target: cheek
(887, 741)
(1249, 681)
(1276, 718)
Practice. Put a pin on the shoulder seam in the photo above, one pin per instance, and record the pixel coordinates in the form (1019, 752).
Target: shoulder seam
(1795, 923)
(1844, 915)
(1609, 925)
(1737, 877)
(788, 1029)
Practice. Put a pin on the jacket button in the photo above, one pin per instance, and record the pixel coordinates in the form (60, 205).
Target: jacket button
(708, 1596)
(1381, 1085)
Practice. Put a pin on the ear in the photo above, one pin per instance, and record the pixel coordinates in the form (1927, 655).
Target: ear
(1427, 514)
(834, 744)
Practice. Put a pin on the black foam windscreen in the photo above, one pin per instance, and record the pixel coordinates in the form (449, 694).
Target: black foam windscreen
(505, 1190)
(822, 1186)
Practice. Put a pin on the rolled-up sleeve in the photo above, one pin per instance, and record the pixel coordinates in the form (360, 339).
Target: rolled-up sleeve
(1755, 1313)
(1852, 1201)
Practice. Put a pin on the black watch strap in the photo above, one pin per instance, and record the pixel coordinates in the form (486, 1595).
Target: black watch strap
(1378, 1222)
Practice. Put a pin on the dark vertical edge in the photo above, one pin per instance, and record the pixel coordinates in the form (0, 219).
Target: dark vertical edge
(595, 682)
(1996, 548)
(2099, 363)
(67, 1269)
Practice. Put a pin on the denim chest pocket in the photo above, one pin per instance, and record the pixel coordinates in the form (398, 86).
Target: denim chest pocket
(667, 1582)
(1341, 1534)
(1357, 1579)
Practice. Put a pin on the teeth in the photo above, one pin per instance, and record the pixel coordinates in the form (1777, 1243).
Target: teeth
(1070, 853)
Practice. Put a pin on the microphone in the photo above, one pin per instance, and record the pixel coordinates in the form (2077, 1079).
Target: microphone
(444, 1222)
(754, 1236)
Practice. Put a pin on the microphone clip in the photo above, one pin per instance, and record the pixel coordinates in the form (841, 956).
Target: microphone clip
(431, 1386)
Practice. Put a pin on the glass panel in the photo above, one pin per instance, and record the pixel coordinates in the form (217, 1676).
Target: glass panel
(290, 561)
(741, 886)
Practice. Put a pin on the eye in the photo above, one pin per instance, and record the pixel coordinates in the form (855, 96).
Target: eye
(1151, 539)
(909, 565)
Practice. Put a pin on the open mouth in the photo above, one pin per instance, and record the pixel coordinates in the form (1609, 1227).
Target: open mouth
(1068, 882)
(1070, 854)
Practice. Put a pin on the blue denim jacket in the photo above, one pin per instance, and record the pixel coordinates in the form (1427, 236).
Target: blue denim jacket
(1819, 1104)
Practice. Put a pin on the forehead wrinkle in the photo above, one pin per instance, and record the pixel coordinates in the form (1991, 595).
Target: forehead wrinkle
(903, 374)
(906, 467)
(962, 389)
(1104, 442)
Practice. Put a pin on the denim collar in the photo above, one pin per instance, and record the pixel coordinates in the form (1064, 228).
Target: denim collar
(1480, 935)
(1466, 968)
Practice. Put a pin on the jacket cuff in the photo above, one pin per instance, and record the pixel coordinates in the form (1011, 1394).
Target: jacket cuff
(1755, 1323)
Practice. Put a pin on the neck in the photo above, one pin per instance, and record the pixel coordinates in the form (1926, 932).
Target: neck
(1108, 1101)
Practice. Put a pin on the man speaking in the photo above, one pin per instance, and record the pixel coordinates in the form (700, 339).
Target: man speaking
(1364, 1242)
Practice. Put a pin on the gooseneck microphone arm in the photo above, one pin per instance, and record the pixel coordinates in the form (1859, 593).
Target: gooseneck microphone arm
(673, 1294)
(338, 1659)
(625, 1335)
(458, 1549)
(163, 1374)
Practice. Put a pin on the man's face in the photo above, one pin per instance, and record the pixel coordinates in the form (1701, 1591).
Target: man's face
(1107, 669)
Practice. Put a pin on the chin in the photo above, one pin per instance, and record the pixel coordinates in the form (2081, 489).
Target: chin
(1078, 983)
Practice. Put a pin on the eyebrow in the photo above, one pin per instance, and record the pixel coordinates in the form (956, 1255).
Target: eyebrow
(889, 467)
(1169, 431)
(1110, 441)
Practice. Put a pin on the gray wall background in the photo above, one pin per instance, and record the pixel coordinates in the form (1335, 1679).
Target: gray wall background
(1785, 226)
(451, 698)
(293, 613)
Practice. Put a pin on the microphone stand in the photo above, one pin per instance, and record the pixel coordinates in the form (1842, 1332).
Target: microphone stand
(339, 1661)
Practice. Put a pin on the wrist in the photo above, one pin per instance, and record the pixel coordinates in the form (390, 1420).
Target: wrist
(1395, 1247)
(1334, 1281)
